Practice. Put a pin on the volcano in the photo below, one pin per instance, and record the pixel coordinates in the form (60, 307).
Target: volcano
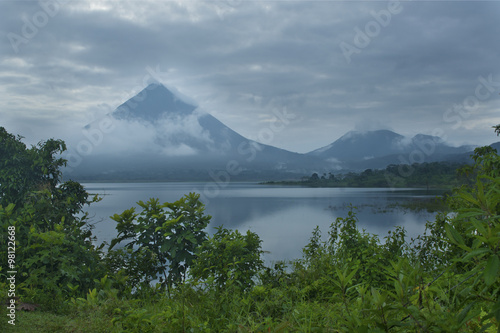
(159, 135)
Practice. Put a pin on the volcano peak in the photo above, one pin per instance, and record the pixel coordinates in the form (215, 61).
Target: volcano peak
(153, 103)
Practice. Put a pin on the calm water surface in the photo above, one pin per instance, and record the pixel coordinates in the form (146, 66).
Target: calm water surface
(284, 217)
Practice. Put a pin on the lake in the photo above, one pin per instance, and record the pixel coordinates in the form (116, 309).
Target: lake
(283, 216)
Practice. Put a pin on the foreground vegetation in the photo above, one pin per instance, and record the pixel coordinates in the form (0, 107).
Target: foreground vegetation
(446, 280)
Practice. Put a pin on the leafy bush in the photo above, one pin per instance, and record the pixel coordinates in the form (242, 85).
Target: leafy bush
(172, 232)
(229, 258)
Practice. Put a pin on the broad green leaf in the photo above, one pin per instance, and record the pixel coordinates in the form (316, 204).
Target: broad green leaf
(10, 208)
(476, 253)
(470, 213)
(464, 315)
(491, 270)
(351, 275)
(453, 235)
(468, 197)
(479, 225)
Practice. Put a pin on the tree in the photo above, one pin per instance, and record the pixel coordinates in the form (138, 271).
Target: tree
(53, 238)
(171, 232)
(25, 170)
(314, 177)
(229, 258)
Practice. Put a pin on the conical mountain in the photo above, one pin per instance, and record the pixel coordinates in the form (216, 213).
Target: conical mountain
(178, 125)
(152, 103)
(159, 135)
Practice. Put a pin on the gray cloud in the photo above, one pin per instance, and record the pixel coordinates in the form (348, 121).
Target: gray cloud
(240, 60)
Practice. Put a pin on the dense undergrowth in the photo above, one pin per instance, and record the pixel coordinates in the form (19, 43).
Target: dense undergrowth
(446, 280)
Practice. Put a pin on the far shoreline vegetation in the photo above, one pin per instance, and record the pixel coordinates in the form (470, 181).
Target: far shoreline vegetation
(434, 175)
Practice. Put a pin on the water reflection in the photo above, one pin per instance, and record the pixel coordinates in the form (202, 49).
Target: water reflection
(284, 217)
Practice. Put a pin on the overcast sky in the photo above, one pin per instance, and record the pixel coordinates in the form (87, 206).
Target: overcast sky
(331, 66)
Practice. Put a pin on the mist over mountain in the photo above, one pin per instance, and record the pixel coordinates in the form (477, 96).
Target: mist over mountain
(158, 135)
(377, 149)
(362, 145)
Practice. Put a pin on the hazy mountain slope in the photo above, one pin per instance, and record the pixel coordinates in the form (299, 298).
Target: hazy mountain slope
(158, 135)
(377, 149)
(361, 145)
(152, 103)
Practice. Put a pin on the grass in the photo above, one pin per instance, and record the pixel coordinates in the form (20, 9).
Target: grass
(39, 321)
(239, 315)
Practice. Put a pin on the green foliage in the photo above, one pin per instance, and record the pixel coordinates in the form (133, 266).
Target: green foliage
(348, 255)
(171, 232)
(185, 232)
(24, 170)
(446, 280)
(53, 239)
(475, 230)
(432, 250)
(131, 269)
(229, 258)
(134, 320)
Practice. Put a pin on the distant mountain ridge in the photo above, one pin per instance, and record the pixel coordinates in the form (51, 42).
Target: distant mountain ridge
(356, 145)
(161, 136)
(377, 149)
